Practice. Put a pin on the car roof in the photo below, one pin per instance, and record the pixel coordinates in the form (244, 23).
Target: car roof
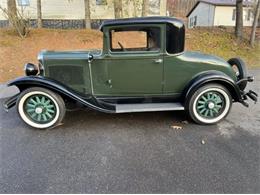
(143, 20)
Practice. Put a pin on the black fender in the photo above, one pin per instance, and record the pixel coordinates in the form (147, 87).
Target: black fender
(240, 64)
(213, 76)
(89, 100)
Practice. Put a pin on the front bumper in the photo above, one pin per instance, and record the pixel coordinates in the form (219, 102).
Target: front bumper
(10, 102)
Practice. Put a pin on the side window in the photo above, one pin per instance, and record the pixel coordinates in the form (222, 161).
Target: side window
(135, 39)
(23, 2)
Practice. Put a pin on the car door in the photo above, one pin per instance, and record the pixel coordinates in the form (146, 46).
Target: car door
(135, 70)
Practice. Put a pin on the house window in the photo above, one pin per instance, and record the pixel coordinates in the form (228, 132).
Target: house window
(191, 21)
(101, 2)
(248, 16)
(234, 15)
(195, 21)
(23, 2)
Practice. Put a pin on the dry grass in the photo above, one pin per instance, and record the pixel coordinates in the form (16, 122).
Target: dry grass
(15, 52)
(222, 42)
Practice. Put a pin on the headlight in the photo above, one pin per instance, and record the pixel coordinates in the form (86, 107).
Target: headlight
(31, 69)
(41, 68)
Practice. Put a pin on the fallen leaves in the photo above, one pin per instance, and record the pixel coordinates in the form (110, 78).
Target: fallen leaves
(178, 125)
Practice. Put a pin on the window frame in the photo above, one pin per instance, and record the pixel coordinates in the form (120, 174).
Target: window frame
(109, 40)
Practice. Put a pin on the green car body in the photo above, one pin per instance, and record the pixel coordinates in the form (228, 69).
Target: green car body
(130, 74)
(158, 77)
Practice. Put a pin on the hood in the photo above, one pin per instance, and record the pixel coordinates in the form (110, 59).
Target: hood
(202, 58)
(80, 54)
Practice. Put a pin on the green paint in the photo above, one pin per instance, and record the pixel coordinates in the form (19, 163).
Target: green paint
(130, 73)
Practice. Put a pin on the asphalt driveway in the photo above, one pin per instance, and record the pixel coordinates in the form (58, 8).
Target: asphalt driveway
(132, 153)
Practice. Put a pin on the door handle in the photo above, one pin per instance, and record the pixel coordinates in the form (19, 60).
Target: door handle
(158, 61)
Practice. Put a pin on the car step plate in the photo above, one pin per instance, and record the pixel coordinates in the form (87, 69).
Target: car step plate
(148, 107)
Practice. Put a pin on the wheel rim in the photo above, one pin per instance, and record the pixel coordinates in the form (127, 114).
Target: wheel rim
(210, 104)
(40, 109)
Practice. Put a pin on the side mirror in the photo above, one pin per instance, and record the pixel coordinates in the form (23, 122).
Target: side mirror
(90, 57)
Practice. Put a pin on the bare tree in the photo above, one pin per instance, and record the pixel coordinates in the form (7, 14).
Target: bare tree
(16, 19)
(145, 8)
(87, 14)
(256, 16)
(39, 14)
(118, 8)
(239, 19)
(11, 10)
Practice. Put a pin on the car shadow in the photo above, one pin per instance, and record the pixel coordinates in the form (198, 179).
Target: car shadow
(85, 117)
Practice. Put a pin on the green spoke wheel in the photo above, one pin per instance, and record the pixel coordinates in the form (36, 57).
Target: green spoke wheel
(209, 104)
(40, 108)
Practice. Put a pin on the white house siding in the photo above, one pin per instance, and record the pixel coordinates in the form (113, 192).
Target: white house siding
(223, 16)
(204, 13)
(3, 4)
(74, 9)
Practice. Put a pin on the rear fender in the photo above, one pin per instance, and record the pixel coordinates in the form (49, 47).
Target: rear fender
(90, 101)
(213, 77)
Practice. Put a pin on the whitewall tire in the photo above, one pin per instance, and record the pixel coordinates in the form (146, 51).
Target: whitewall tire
(40, 108)
(209, 104)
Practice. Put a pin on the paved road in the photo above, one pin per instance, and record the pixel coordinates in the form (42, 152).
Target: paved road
(132, 153)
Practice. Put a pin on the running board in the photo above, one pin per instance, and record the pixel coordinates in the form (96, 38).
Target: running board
(148, 107)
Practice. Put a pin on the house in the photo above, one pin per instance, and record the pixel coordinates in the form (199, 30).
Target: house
(210, 13)
(71, 13)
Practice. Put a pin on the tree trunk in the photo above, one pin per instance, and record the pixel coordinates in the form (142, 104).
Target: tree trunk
(39, 14)
(239, 19)
(11, 10)
(145, 8)
(252, 37)
(87, 15)
(118, 8)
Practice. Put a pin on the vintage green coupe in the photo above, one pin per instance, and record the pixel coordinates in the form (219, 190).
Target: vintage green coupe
(149, 72)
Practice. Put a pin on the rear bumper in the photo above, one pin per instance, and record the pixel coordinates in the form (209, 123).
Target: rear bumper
(247, 94)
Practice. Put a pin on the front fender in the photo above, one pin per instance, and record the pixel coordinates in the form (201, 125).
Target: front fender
(39, 81)
(213, 77)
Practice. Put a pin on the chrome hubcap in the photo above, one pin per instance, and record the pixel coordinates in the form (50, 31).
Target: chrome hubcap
(38, 110)
(211, 105)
